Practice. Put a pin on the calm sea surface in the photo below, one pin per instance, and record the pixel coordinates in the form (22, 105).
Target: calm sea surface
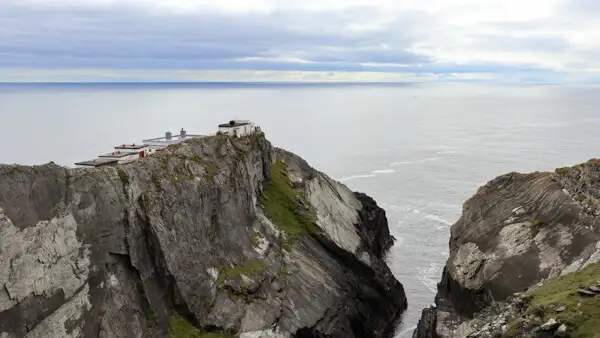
(419, 150)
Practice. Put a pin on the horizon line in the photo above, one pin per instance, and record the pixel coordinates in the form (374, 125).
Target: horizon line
(290, 83)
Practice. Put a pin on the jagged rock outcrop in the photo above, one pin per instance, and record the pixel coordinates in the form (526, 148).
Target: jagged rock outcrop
(517, 231)
(222, 235)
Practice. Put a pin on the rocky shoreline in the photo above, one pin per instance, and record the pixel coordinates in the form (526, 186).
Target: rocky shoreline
(523, 259)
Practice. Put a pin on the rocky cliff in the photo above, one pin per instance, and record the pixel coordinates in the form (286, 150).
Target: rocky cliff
(216, 237)
(522, 256)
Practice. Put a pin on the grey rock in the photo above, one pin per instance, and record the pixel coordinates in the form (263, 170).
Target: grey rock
(550, 325)
(594, 289)
(561, 309)
(118, 251)
(561, 331)
(586, 293)
(516, 232)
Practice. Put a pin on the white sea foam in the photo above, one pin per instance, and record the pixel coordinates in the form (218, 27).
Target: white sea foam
(437, 218)
(408, 332)
(429, 216)
(383, 171)
(372, 174)
(428, 276)
(355, 177)
(400, 163)
(424, 160)
(430, 159)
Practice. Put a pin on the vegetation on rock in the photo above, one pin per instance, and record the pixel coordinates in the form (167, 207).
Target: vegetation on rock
(251, 268)
(124, 179)
(288, 209)
(211, 168)
(181, 328)
(559, 299)
(537, 223)
(254, 239)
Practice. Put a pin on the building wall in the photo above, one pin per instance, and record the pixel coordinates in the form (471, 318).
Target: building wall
(136, 151)
(125, 159)
(241, 130)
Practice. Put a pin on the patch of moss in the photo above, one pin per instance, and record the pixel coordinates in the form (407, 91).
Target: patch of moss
(254, 239)
(145, 198)
(290, 212)
(579, 198)
(174, 147)
(156, 181)
(251, 268)
(124, 179)
(181, 328)
(562, 171)
(211, 168)
(582, 314)
(151, 321)
(286, 243)
(175, 179)
(284, 274)
(537, 223)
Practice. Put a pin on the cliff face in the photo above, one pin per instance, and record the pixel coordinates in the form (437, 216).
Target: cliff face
(519, 232)
(232, 237)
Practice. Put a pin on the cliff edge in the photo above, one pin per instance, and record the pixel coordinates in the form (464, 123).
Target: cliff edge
(216, 237)
(523, 259)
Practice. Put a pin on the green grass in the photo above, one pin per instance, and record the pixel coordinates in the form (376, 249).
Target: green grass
(211, 168)
(284, 274)
(175, 179)
(181, 328)
(281, 204)
(562, 171)
(251, 268)
(582, 321)
(124, 179)
(254, 239)
(156, 181)
(537, 223)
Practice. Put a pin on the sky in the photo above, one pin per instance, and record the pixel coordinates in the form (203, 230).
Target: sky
(547, 41)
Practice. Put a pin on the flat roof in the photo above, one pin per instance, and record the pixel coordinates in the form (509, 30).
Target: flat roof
(97, 162)
(131, 146)
(234, 123)
(176, 138)
(116, 154)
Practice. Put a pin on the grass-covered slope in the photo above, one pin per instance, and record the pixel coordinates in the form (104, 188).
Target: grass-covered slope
(581, 314)
(559, 299)
(286, 207)
(181, 328)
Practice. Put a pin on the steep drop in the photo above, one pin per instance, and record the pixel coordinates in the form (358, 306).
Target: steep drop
(219, 235)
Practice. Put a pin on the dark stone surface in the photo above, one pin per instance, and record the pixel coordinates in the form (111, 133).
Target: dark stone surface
(426, 325)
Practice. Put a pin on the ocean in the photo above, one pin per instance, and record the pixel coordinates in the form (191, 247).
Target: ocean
(419, 149)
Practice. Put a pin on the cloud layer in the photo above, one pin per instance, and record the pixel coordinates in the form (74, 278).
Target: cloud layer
(534, 40)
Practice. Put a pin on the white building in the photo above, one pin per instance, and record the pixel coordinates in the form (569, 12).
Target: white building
(132, 148)
(163, 142)
(237, 128)
(98, 162)
(121, 157)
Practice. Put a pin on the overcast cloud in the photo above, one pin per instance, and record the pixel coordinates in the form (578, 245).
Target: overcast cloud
(294, 40)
